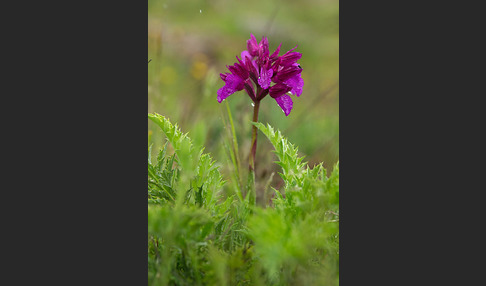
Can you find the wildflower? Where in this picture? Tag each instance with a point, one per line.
(257, 70)
(260, 74)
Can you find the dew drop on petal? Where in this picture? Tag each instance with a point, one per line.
(252, 104)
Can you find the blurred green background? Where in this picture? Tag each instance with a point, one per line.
(190, 42)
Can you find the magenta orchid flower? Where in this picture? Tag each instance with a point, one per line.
(260, 74)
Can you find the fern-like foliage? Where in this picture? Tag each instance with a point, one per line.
(187, 214)
(199, 183)
(198, 237)
(161, 177)
(287, 153)
(303, 228)
(306, 189)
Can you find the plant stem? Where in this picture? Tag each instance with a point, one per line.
(254, 134)
(251, 188)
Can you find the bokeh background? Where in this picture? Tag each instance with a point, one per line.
(190, 42)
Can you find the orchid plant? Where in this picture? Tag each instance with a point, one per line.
(255, 72)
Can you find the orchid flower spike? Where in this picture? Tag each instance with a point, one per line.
(260, 74)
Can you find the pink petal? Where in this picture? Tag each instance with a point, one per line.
(233, 84)
(279, 89)
(275, 54)
(252, 46)
(265, 78)
(223, 93)
(296, 83)
(264, 52)
(285, 102)
(245, 54)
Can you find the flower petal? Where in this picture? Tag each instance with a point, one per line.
(285, 102)
(238, 70)
(233, 83)
(245, 54)
(279, 89)
(248, 86)
(252, 46)
(263, 51)
(296, 83)
(290, 58)
(223, 93)
(275, 54)
(265, 78)
(288, 72)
